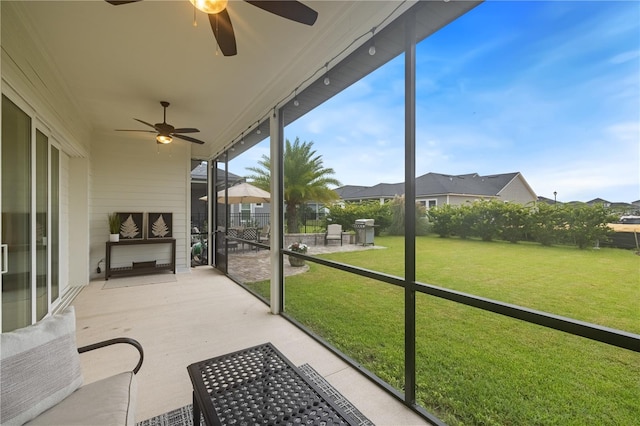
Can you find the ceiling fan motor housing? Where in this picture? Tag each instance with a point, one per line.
(166, 132)
(164, 128)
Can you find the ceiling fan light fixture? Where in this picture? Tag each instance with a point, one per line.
(164, 139)
(210, 6)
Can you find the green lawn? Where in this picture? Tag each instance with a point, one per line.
(479, 368)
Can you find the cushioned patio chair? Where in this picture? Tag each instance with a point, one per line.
(41, 381)
(265, 234)
(334, 233)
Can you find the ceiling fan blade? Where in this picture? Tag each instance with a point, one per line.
(186, 130)
(289, 9)
(188, 138)
(144, 122)
(131, 130)
(223, 31)
(119, 2)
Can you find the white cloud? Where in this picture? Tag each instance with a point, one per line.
(625, 57)
(627, 132)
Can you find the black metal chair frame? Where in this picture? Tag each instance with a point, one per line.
(115, 341)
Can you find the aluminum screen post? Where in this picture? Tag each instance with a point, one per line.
(409, 208)
(276, 237)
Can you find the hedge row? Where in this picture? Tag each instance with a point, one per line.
(581, 225)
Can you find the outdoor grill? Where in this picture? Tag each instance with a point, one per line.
(364, 231)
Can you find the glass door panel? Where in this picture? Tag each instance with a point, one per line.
(41, 227)
(16, 216)
(54, 232)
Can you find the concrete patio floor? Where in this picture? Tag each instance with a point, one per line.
(200, 315)
(251, 265)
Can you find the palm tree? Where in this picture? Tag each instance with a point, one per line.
(305, 179)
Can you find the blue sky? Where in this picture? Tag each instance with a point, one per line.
(547, 88)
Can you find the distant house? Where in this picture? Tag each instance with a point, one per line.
(625, 208)
(596, 201)
(434, 189)
(546, 200)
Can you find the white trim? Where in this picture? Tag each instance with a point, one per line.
(33, 212)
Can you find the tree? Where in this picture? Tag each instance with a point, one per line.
(305, 179)
(398, 212)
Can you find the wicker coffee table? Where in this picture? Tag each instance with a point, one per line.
(258, 386)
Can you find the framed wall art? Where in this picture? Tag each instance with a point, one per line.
(131, 226)
(159, 225)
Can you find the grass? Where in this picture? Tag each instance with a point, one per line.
(479, 368)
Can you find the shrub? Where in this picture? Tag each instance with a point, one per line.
(487, 219)
(463, 221)
(546, 224)
(348, 214)
(514, 222)
(580, 224)
(442, 219)
(588, 224)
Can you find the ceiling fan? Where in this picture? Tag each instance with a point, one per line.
(221, 22)
(166, 132)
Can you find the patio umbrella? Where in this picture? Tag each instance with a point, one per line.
(244, 193)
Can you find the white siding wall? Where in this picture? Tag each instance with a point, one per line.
(131, 173)
(459, 200)
(518, 191)
(78, 229)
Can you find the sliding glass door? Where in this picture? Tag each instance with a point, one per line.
(16, 216)
(30, 167)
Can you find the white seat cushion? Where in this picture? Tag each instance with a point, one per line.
(109, 401)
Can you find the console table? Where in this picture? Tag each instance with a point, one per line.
(258, 386)
(139, 268)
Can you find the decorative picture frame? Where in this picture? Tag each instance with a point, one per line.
(159, 225)
(131, 226)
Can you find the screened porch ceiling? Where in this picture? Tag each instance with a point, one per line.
(119, 62)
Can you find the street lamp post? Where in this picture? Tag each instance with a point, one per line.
(555, 200)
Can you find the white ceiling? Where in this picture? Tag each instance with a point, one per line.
(118, 62)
